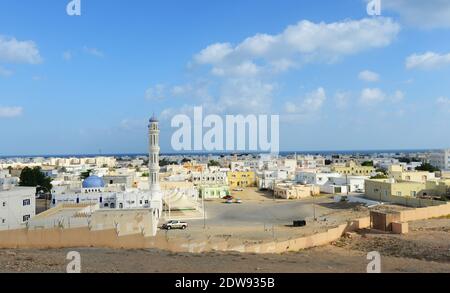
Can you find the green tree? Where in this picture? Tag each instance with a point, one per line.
(367, 164)
(34, 177)
(382, 171)
(213, 163)
(427, 167)
(85, 174)
(379, 176)
(166, 162)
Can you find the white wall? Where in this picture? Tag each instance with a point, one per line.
(15, 204)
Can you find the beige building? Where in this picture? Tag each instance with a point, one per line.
(293, 191)
(399, 174)
(382, 189)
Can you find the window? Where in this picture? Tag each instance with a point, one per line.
(4, 204)
(26, 218)
(26, 202)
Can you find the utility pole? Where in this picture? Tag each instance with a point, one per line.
(314, 209)
(346, 184)
(204, 212)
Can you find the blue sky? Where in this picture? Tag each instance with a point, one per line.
(338, 78)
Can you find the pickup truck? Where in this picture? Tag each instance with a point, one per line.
(175, 225)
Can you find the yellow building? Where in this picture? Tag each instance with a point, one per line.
(351, 168)
(241, 178)
(382, 189)
(440, 187)
(399, 174)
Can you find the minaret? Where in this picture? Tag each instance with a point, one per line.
(153, 165)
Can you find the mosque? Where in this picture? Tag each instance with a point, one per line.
(93, 188)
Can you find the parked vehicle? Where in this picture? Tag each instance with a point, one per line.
(175, 225)
(228, 197)
(238, 200)
(238, 189)
(229, 201)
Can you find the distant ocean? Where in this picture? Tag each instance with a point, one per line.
(283, 153)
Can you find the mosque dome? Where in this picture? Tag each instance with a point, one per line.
(93, 182)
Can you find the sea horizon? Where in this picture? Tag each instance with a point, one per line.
(220, 153)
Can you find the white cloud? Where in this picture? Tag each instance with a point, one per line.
(67, 55)
(428, 61)
(421, 13)
(300, 43)
(243, 73)
(342, 99)
(214, 53)
(369, 76)
(157, 92)
(443, 101)
(313, 102)
(5, 72)
(10, 112)
(93, 51)
(398, 96)
(14, 51)
(373, 96)
(245, 69)
(244, 96)
(180, 90)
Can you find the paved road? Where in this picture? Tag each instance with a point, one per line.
(254, 212)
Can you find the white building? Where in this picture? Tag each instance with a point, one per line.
(313, 177)
(333, 183)
(440, 159)
(210, 177)
(7, 182)
(17, 207)
(267, 179)
(310, 161)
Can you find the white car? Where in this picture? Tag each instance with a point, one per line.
(175, 225)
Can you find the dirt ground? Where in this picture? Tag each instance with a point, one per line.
(425, 249)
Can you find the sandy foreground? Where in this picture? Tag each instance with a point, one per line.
(425, 249)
